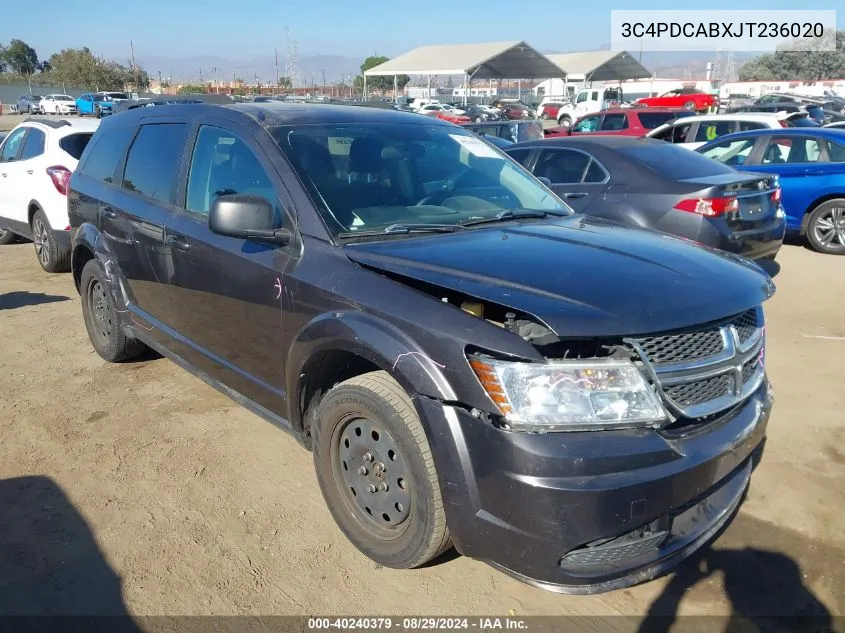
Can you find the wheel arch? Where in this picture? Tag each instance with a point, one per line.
(31, 209)
(338, 346)
(814, 204)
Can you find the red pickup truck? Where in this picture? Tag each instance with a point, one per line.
(687, 98)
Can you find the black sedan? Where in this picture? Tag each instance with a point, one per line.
(647, 183)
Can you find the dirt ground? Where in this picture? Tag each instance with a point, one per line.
(143, 482)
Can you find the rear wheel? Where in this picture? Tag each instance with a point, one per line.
(826, 227)
(565, 120)
(7, 237)
(52, 257)
(689, 105)
(100, 316)
(376, 472)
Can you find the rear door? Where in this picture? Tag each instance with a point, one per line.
(575, 175)
(11, 180)
(226, 292)
(31, 169)
(132, 218)
(799, 161)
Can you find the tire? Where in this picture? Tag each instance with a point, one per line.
(97, 112)
(545, 116)
(100, 316)
(564, 121)
(478, 119)
(360, 425)
(689, 105)
(51, 256)
(826, 227)
(7, 237)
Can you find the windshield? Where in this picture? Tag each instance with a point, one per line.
(372, 176)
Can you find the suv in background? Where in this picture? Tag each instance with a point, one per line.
(372, 282)
(694, 131)
(621, 122)
(36, 161)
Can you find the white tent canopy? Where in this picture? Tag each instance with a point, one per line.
(601, 65)
(497, 60)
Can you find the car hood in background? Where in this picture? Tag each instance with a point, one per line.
(581, 276)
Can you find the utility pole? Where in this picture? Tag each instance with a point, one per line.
(276, 90)
(134, 66)
(200, 76)
(324, 81)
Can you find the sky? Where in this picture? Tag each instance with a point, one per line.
(182, 28)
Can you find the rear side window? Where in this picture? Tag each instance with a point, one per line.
(836, 152)
(612, 122)
(75, 144)
(711, 130)
(673, 162)
(152, 165)
(747, 126)
(519, 155)
(33, 145)
(562, 166)
(106, 152)
(651, 120)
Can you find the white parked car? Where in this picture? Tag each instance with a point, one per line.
(58, 104)
(453, 110)
(694, 131)
(36, 161)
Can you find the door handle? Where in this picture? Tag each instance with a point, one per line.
(574, 195)
(29, 171)
(108, 212)
(179, 243)
(3, 174)
(813, 172)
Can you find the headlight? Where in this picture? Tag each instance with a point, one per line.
(569, 395)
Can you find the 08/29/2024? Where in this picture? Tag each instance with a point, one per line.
(414, 623)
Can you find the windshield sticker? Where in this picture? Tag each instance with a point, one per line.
(475, 146)
(339, 145)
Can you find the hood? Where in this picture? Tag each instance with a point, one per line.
(580, 276)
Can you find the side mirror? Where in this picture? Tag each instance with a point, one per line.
(246, 217)
(545, 181)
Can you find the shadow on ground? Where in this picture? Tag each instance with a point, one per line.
(50, 563)
(12, 300)
(764, 583)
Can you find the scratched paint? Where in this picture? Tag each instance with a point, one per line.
(418, 356)
(278, 288)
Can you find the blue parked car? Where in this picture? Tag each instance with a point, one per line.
(810, 163)
(99, 104)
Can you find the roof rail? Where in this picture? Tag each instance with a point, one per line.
(53, 123)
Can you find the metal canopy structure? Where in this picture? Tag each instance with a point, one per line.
(601, 65)
(497, 60)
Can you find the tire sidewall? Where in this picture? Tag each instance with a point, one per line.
(347, 402)
(93, 271)
(51, 245)
(811, 233)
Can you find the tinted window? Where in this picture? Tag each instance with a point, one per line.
(730, 152)
(614, 122)
(675, 163)
(33, 145)
(562, 166)
(587, 124)
(651, 120)
(802, 121)
(792, 150)
(836, 152)
(595, 173)
(222, 164)
(75, 144)
(106, 153)
(745, 126)
(520, 155)
(152, 165)
(12, 144)
(711, 130)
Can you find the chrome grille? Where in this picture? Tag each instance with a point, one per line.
(709, 369)
(699, 391)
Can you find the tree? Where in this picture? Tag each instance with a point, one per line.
(449, 83)
(2, 58)
(795, 65)
(21, 57)
(381, 84)
(80, 67)
(285, 82)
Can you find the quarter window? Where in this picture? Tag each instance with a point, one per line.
(223, 164)
(152, 166)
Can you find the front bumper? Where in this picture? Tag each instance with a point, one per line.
(588, 512)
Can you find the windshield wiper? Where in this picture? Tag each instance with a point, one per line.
(512, 214)
(403, 229)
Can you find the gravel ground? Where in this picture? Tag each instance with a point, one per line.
(167, 498)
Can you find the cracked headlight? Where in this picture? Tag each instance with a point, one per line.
(569, 395)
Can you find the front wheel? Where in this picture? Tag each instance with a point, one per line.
(826, 227)
(377, 474)
(564, 121)
(97, 112)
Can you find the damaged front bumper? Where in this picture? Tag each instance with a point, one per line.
(588, 512)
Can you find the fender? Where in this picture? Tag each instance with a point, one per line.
(373, 339)
(89, 238)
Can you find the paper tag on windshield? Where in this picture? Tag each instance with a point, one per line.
(475, 146)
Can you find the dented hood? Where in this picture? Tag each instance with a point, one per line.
(581, 276)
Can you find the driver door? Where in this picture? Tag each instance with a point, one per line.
(227, 292)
